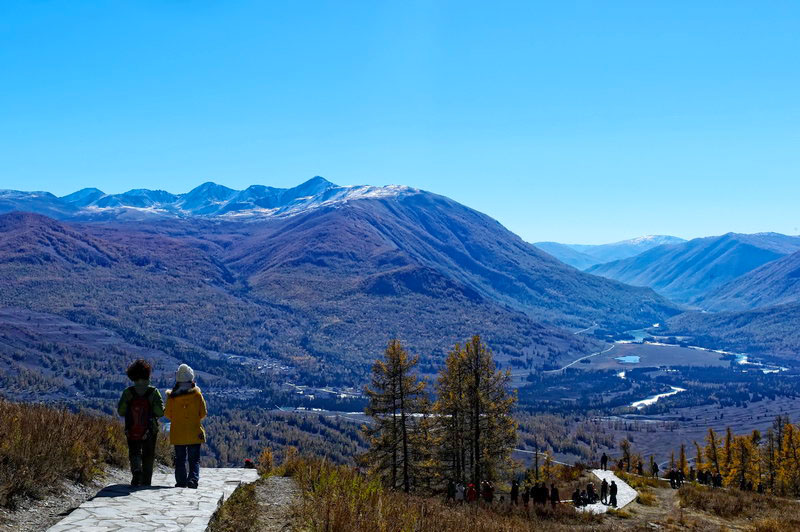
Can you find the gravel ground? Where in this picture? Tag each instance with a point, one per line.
(276, 498)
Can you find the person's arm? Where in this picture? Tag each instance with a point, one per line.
(203, 408)
(122, 406)
(168, 409)
(157, 403)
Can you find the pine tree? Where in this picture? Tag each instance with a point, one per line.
(625, 447)
(712, 450)
(396, 398)
(474, 412)
(727, 453)
(683, 464)
(698, 460)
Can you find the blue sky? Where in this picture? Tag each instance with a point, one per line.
(571, 121)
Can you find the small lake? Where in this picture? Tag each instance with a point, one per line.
(628, 359)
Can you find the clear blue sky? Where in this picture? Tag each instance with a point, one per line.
(570, 121)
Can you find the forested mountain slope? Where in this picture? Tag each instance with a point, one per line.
(685, 272)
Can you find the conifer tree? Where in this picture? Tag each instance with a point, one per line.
(712, 450)
(683, 464)
(698, 460)
(474, 412)
(727, 453)
(396, 400)
(625, 447)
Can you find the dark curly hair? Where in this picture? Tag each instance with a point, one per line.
(139, 370)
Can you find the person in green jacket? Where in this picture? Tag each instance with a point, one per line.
(141, 405)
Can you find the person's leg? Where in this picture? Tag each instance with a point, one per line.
(194, 465)
(180, 466)
(135, 457)
(148, 457)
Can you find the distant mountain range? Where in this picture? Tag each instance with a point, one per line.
(209, 200)
(686, 272)
(583, 256)
(320, 278)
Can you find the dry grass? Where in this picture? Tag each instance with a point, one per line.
(646, 497)
(340, 498)
(767, 512)
(239, 513)
(41, 446)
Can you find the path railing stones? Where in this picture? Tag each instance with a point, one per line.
(161, 507)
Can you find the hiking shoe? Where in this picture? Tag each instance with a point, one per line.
(179, 485)
(192, 485)
(136, 480)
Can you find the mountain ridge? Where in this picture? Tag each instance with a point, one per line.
(685, 272)
(208, 199)
(584, 256)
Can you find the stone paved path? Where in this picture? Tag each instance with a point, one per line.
(625, 493)
(121, 508)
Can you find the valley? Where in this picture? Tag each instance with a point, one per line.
(282, 298)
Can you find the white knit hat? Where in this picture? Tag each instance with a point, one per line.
(184, 374)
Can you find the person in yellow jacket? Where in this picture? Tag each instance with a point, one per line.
(185, 409)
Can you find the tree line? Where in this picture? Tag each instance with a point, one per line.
(764, 462)
(466, 434)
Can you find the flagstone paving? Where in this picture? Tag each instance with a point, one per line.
(122, 508)
(625, 493)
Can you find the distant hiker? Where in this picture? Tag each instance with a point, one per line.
(185, 409)
(604, 461)
(460, 493)
(673, 479)
(526, 495)
(141, 405)
(488, 492)
(760, 488)
(543, 494)
(718, 480)
(451, 491)
(749, 485)
(681, 477)
(514, 492)
(554, 498)
(640, 469)
(654, 470)
(613, 492)
(472, 493)
(692, 474)
(591, 494)
(576, 498)
(604, 492)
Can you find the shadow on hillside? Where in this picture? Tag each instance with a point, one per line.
(122, 490)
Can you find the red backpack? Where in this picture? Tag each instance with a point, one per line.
(138, 416)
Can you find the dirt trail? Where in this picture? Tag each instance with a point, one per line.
(277, 497)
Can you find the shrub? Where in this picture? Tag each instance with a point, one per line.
(265, 462)
(41, 445)
(646, 498)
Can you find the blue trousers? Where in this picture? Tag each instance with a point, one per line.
(192, 453)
